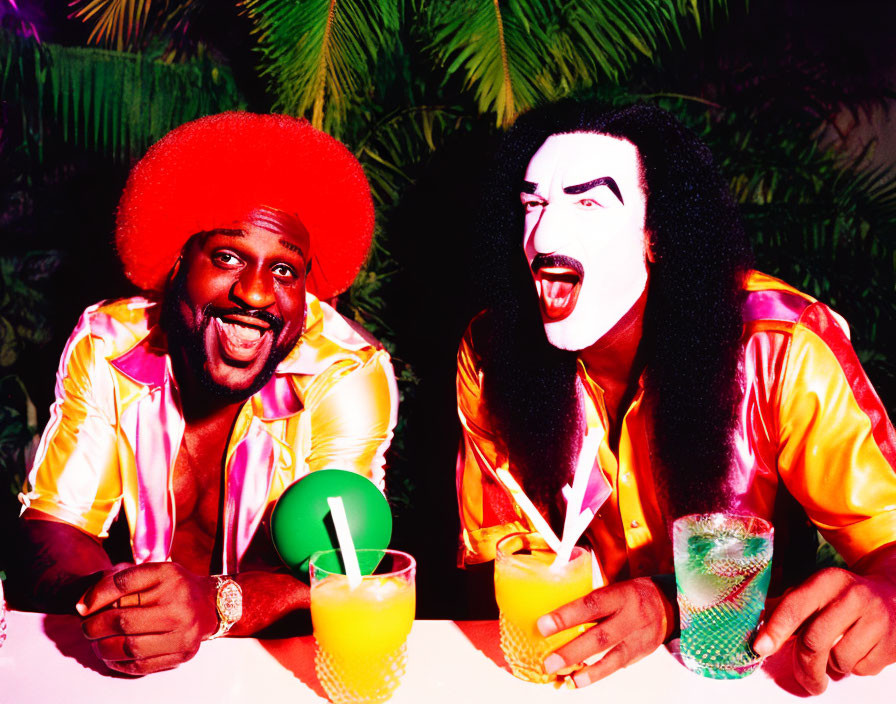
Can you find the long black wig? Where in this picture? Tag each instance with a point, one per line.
(692, 326)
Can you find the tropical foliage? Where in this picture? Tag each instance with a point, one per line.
(516, 55)
(821, 220)
(320, 57)
(112, 102)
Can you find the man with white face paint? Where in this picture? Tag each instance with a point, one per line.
(633, 348)
(584, 234)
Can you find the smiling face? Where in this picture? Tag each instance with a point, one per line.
(584, 234)
(240, 307)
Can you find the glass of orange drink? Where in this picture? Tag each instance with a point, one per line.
(526, 588)
(361, 630)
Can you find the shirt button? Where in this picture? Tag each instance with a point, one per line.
(635, 524)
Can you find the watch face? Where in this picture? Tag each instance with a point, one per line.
(230, 601)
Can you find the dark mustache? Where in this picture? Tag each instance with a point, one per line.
(275, 322)
(539, 261)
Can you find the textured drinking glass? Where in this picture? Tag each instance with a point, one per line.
(526, 588)
(361, 631)
(722, 568)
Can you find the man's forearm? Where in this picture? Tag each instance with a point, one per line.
(55, 565)
(881, 563)
(272, 600)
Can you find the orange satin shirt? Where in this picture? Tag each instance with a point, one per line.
(116, 426)
(809, 418)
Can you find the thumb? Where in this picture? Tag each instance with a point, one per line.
(88, 601)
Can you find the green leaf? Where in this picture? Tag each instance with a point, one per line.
(515, 54)
(319, 54)
(99, 99)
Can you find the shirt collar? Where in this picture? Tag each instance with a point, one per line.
(327, 338)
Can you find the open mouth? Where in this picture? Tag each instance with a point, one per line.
(241, 338)
(558, 290)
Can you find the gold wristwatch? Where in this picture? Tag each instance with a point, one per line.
(228, 602)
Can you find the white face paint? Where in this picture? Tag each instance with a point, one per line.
(585, 212)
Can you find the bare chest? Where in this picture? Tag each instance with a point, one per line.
(197, 488)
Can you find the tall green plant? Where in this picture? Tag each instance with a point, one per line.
(113, 102)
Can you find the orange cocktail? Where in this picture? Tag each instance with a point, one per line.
(526, 588)
(361, 631)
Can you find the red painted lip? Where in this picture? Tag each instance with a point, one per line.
(558, 291)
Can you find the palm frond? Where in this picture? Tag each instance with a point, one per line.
(118, 23)
(516, 53)
(112, 102)
(500, 48)
(319, 54)
(138, 25)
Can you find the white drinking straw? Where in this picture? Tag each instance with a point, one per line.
(573, 525)
(346, 544)
(537, 520)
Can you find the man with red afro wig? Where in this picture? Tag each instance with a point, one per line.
(195, 405)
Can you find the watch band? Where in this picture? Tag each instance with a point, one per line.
(228, 602)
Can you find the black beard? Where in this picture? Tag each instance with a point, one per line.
(186, 344)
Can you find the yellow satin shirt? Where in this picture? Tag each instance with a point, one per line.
(116, 426)
(809, 418)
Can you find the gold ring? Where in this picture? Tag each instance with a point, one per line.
(127, 601)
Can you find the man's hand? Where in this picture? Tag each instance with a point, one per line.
(632, 619)
(148, 617)
(845, 623)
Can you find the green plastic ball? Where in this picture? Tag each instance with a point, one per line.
(301, 524)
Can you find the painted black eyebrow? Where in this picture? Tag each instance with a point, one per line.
(602, 181)
(528, 187)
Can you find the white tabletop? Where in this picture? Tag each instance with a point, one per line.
(46, 659)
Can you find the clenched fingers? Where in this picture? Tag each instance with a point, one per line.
(139, 647)
(122, 583)
(128, 621)
(149, 665)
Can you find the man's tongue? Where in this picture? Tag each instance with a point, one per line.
(239, 342)
(558, 295)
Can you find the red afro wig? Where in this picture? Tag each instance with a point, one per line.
(214, 171)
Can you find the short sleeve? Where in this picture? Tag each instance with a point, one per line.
(75, 476)
(353, 413)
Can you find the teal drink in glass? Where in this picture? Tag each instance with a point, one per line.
(722, 569)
